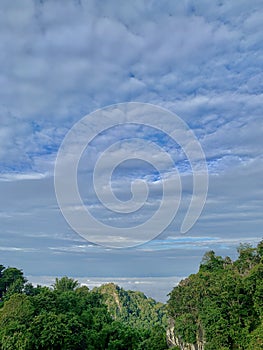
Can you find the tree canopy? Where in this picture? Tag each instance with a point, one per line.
(221, 306)
(71, 317)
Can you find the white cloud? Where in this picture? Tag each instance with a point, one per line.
(202, 60)
(21, 176)
(62, 66)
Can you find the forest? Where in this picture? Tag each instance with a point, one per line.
(221, 306)
(218, 308)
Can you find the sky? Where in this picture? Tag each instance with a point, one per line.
(199, 62)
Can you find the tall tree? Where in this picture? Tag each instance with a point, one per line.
(65, 284)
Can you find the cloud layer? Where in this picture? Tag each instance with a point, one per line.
(60, 62)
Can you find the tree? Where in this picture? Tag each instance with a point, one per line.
(65, 284)
(211, 262)
(15, 318)
(49, 331)
(72, 317)
(222, 302)
(12, 281)
(247, 257)
(29, 289)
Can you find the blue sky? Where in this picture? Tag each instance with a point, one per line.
(202, 60)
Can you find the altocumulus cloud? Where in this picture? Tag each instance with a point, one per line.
(201, 60)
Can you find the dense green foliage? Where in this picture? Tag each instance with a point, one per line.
(218, 308)
(133, 307)
(11, 281)
(135, 310)
(73, 317)
(222, 305)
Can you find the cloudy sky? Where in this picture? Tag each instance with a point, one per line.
(60, 61)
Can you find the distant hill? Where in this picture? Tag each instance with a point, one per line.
(133, 307)
(72, 317)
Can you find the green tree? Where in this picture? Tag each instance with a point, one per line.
(68, 317)
(15, 318)
(65, 284)
(212, 262)
(49, 331)
(222, 304)
(12, 281)
(248, 257)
